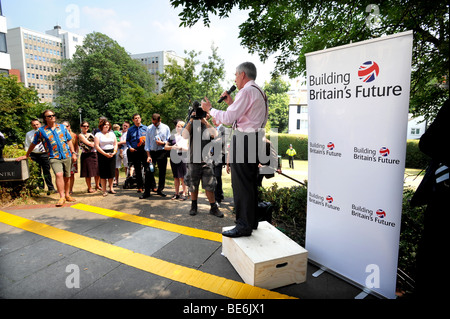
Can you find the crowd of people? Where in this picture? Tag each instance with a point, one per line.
(196, 151)
(104, 149)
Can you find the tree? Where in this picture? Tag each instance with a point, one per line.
(183, 84)
(276, 91)
(290, 29)
(210, 76)
(103, 80)
(18, 106)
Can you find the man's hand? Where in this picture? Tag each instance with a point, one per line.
(206, 105)
(21, 158)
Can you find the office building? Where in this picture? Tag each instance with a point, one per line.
(155, 63)
(37, 56)
(5, 61)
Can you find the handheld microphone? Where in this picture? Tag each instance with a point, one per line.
(229, 92)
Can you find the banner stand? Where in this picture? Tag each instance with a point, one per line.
(364, 290)
(358, 101)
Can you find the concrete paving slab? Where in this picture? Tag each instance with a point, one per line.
(29, 259)
(125, 282)
(188, 251)
(50, 282)
(147, 240)
(113, 230)
(12, 238)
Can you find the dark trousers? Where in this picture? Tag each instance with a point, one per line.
(139, 160)
(244, 179)
(44, 165)
(291, 162)
(218, 192)
(160, 159)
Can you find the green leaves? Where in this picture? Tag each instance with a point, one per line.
(290, 29)
(18, 105)
(102, 80)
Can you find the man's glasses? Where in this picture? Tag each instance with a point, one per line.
(50, 116)
(85, 126)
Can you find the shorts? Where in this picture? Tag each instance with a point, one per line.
(203, 172)
(61, 166)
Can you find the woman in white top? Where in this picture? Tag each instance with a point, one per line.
(106, 146)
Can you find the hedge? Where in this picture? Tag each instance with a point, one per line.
(414, 157)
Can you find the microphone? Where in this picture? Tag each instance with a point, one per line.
(232, 89)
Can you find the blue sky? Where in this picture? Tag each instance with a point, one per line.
(139, 26)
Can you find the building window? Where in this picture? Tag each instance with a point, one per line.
(304, 124)
(3, 42)
(415, 131)
(298, 124)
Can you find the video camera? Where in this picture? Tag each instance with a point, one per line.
(199, 113)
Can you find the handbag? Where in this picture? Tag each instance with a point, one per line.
(86, 148)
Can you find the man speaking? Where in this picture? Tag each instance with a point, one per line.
(247, 113)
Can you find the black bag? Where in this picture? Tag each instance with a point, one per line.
(264, 212)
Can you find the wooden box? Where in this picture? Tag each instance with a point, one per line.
(266, 259)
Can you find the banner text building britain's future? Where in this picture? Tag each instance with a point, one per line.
(358, 100)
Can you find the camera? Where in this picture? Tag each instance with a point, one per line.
(199, 113)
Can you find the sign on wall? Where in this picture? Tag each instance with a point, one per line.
(358, 98)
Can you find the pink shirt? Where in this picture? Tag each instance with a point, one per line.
(248, 110)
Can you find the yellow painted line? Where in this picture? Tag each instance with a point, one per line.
(192, 277)
(193, 232)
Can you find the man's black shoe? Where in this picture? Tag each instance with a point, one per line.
(235, 232)
(143, 196)
(161, 194)
(193, 211)
(215, 211)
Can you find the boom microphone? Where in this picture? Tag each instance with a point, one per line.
(229, 92)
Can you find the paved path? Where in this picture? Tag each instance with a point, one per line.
(126, 248)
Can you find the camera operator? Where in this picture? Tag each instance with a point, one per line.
(248, 114)
(200, 132)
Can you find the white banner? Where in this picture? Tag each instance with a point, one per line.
(358, 100)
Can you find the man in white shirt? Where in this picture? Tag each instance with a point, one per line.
(40, 156)
(248, 114)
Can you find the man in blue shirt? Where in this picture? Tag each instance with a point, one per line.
(136, 153)
(156, 138)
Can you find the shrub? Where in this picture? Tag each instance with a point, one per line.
(289, 210)
(299, 143)
(414, 157)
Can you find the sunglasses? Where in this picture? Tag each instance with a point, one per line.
(85, 126)
(50, 116)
